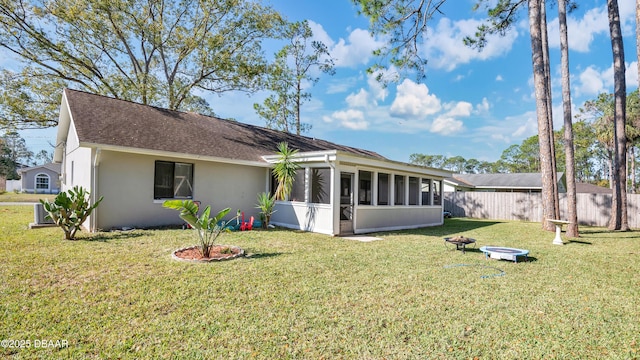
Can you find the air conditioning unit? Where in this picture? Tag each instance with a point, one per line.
(40, 215)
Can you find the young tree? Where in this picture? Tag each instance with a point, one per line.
(285, 171)
(153, 52)
(293, 67)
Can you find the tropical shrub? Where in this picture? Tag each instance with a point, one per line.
(208, 228)
(266, 206)
(285, 170)
(70, 209)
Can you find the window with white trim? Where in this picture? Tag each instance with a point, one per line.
(320, 185)
(42, 182)
(173, 180)
(364, 192)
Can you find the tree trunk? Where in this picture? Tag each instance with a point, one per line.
(547, 75)
(572, 211)
(537, 57)
(619, 200)
(632, 173)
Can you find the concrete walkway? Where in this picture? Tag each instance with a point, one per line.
(362, 238)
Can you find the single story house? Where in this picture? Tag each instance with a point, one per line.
(517, 182)
(42, 179)
(137, 156)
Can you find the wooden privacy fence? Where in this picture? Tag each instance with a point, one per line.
(593, 209)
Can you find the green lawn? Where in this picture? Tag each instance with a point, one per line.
(310, 296)
(24, 197)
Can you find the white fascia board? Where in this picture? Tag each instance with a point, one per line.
(64, 122)
(508, 187)
(311, 156)
(363, 161)
(192, 157)
(393, 166)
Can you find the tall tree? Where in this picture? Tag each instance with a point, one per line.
(14, 154)
(619, 200)
(293, 67)
(154, 52)
(572, 210)
(547, 76)
(542, 103)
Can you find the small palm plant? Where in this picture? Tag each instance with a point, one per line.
(285, 170)
(208, 228)
(70, 209)
(266, 206)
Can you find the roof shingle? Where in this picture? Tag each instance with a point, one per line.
(102, 120)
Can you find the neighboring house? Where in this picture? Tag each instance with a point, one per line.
(518, 182)
(42, 179)
(586, 188)
(137, 156)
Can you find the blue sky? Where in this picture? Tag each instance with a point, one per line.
(472, 104)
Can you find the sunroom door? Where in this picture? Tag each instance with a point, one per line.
(346, 203)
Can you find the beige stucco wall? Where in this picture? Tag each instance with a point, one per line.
(126, 182)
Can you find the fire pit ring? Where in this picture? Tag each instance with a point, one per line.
(460, 242)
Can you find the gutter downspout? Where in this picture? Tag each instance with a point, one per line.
(94, 190)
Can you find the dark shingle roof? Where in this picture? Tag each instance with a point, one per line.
(55, 167)
(102, 120)
(586, 188)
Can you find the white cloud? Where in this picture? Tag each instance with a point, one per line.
(581, 32)
(483, 107)
(594, 22)
(593, 81)
(319, 34)
(350, 119)
(461, 108)
(413, 100)
(499, 78)
(378, 90)
(590, 82)
(445, 49)
(359, 99)
(446, 125)
(356, 50)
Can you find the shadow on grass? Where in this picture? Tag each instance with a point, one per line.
(450, 227)
(105, 237)
(262, 255)
(580, 242)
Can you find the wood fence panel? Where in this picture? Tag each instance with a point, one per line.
(593, 209)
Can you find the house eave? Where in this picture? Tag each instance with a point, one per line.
(350, 159)
(170, 154)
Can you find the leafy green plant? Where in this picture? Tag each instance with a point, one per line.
(208, 228)
(70, 209)
(285, 170)
(266, 206)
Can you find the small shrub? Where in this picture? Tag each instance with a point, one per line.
(266, 206)
(208, 228)
(70, 209)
